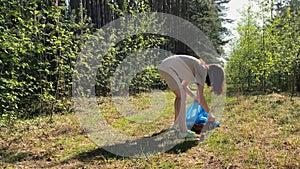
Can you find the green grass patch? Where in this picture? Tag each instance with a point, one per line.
(256, 132)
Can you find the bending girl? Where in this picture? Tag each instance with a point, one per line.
(179, 71)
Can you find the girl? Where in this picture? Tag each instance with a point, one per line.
(179, 71)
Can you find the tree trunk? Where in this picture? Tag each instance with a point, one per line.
(298, 82)
(297, 73)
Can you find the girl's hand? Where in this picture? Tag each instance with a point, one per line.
(211, 117)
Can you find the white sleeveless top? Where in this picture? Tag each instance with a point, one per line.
(185, 67)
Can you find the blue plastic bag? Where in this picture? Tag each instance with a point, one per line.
(195, 114)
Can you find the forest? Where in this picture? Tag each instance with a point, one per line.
(40, 41)
(51, 49)
(266, 56)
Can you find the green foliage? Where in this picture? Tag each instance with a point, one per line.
(147, 80)
(131, 52)
(40, 42)
(266, 56)
(209, 17)
(38, 49)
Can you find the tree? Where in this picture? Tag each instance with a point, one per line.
(208, 15)
(243, 66)
(38, 49)
(275, 63)
(116, 9)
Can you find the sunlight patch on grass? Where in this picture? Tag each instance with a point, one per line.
(145, 122)
(259, 132)
(256, 132)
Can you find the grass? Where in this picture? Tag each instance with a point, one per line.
(256, 132)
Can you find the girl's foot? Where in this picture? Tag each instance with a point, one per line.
(188, 134)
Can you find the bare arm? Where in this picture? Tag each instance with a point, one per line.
(203, 103)
(201, 98)
(187, 89)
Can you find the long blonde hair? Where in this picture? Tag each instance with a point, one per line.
(217, 78)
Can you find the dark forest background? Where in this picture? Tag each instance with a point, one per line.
(40, 41)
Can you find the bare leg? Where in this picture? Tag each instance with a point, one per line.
(179, 103)
(180, 109)
(177, 107)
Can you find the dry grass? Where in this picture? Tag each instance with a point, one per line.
(255, 132)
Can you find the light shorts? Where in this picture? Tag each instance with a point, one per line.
(172, 81)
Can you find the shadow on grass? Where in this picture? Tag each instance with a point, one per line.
(138, 148)
(98, 154)
(12, 157)
(183, 147)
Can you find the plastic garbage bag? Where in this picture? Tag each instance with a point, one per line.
(195, 114)
(197, 118)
